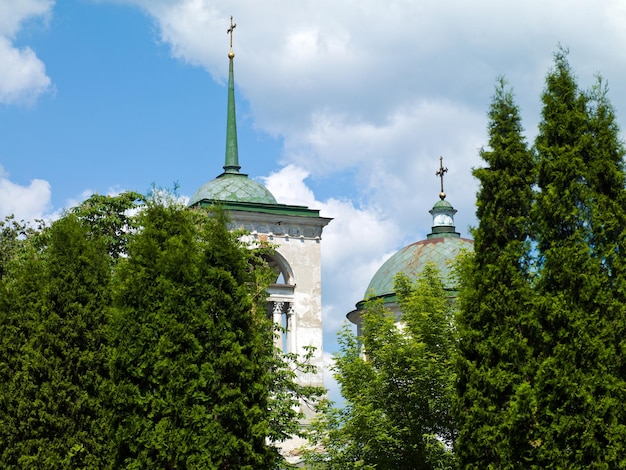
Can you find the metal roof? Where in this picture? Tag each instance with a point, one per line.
(411, 259)
(233, 187)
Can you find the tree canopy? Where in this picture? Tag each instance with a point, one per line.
(134, 334)
(579, 217)
(542, 311)
(53, 369)
(398, 384)
(495, 322)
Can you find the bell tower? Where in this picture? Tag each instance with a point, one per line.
(294, 299)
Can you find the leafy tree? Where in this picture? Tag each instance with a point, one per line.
(13, 241)
(399, 393)
(495, 322)
(111, 218)
(53, 352)
(191, 347)
(288, 395)
(579, 389)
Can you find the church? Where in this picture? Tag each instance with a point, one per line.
(295, 297)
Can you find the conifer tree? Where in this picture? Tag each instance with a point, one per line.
(191, 347)
(607, 179)
(53, 352)
(579, 387)
(494, 321)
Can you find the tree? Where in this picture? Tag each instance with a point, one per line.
(191, 347)
(110, 218)
(579, 384)
(53, 352)
(398, 411)
(170, 303)
(288, 394)
(495, 324)
(606, 176)
(13, 241)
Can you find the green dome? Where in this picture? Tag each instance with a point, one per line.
(233, 187)
(443, 204)
(411, 259)
(441, 248)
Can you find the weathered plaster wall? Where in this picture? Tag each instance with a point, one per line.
(297, 240)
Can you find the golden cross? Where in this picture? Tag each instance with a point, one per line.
(230, 31)
(442, 171)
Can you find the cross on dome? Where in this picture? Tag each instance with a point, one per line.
(442, 171)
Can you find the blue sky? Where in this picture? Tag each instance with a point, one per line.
(120, 112)
(342, 106)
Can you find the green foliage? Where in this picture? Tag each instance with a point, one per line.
(53, 353)
(138, 337)
(14, 238)
(190, 352)
(288, 395)
(579, 214)
(495, 324)
(541, 326)
(110, 218)
(399, 392)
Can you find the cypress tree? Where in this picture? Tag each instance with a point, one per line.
(579, 215)
(191, 348)
(494, 322)
(607, 179)
(53, 353)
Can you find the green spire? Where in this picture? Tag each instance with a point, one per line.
(232, 156)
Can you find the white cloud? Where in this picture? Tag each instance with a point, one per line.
(308, 56)
(391, 157)
(288, 186)
(22, 74)
(14, 13)
(25, 202)
(34, 200)
(383, 89)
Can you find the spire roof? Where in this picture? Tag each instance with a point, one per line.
(231, 185)
(231, 164)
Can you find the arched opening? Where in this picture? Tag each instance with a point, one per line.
(280, 302)
(282, 269)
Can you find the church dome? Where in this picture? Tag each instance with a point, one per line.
(441, 248)
(234, 187)
(412, 259)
